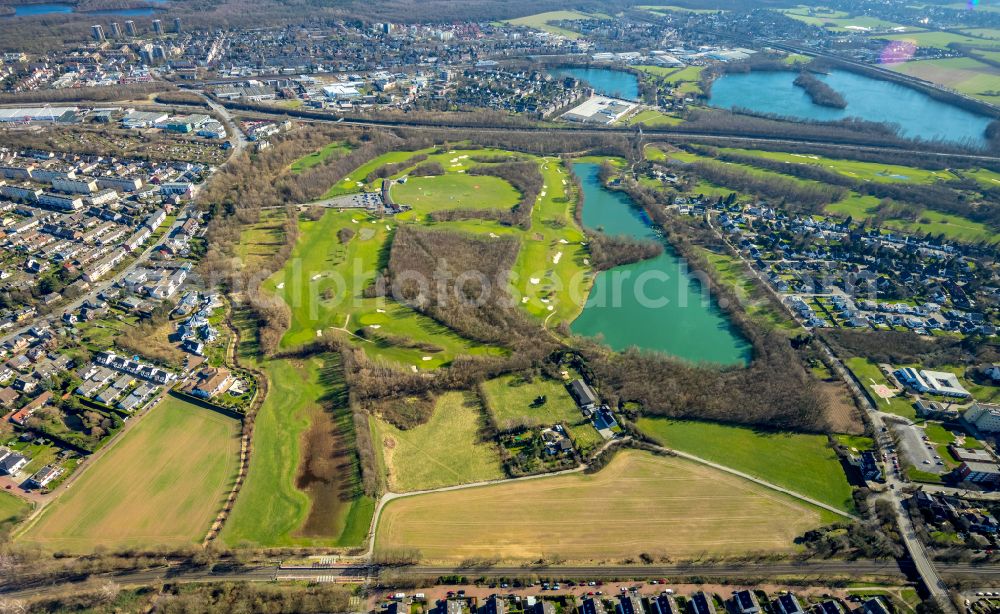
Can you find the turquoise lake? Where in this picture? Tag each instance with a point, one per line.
(655, 304)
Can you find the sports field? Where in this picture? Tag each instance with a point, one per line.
(444, 451)
(162, 484)
(802, 463)
(638, 503)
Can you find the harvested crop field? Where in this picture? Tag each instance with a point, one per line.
(638, 503)
(161, 484)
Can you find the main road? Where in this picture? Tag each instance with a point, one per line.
(358, 574)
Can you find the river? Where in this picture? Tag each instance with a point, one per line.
(654, 304)
(607, 82)
(55, 8)
(917, 114)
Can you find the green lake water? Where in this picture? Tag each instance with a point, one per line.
(656, 304)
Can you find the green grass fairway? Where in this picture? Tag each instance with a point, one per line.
(455, 191)
(12, 510)
(543, 21)
(444, 451)
(334, 149)
(355, 182)
(162, 483)
(954, 227)
(802, 463)
(638, 503)
(509, 398)
(863, 171)
(964, 75)
(323, 284)
(271, 510)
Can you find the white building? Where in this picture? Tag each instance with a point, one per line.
(984, 416)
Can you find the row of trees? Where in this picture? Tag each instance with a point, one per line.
(819, 92)
(796, 195)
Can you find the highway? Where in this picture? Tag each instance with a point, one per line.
(314, 117)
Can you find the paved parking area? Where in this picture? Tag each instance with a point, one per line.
(915, 451)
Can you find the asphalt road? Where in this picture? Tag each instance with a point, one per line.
(823, 570)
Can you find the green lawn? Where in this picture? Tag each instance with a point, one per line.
(802, 463)
(355, 182)
(837, 21)
(335, 148)
(510, 399)
(869, 374)
(732, 273)
(444, 451)
(455, 191)
(12, 510)
(653, 118)
(550, 276)
(323, 284)
(271, 510)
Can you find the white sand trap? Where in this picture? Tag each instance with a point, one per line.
(463, 157)
(454, 160)
(494, 235)
(374, 221)
(544, 300)
(280, 286)
(319, 332)
(557, 258)
(461, 171)
(414, 367)
(543, 193)
(564, 241)
(354, 221)
(524, 299)
(359, 184)
(388, 227)
(550, 307)
(380, 310)
(375, 326)
(564, 182)
(534, 281)
(586, 261)
(426, 358)
(316, 276)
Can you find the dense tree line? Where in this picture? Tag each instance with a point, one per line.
(428, 169)
(388, 170)
(609, 251)
(797, 196)
(459, 280)
(819, 92)
(133, 91)
(899, 347)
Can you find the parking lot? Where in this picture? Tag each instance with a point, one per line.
(915, 450)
